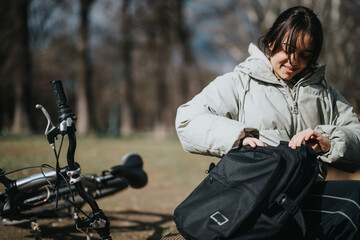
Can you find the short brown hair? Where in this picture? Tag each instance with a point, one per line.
(294, 22)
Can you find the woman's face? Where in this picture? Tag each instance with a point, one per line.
(299, 55)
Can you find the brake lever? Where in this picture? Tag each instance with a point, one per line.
(51, 131)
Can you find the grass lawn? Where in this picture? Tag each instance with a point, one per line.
(97, 154)
(135, 214)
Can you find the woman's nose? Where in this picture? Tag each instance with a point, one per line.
(294, 58)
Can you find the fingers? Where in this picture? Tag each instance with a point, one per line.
(253, 142)
(301, 137)
(315, 146)
(313, 139)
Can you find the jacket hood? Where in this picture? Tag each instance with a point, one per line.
(258, 66)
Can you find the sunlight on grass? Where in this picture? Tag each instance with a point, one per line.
(97, 154)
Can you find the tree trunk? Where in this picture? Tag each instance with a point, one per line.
(85, 111)
(163, 43)
(188, 83)
(18, 64)
(128, 114)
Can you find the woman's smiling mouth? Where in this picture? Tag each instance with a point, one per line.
(289, 69)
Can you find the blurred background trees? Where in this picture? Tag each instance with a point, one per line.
(127, 65)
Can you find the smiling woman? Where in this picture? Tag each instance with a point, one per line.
(279, 93)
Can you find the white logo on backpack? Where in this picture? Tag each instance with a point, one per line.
(219, 218)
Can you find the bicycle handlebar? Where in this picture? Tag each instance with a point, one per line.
(64, 110)
(67, 126)
(59, 92)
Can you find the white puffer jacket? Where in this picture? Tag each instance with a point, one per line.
(252, 99)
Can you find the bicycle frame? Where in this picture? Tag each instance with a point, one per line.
(34, 192)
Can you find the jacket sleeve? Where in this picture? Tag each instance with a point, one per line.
(208, 124)
(344, 133)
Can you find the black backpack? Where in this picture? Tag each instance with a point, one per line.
(250, 194)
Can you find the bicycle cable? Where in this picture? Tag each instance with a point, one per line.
(73, 202)
(57, 183)
(22, 169)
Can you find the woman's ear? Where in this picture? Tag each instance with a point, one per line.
(271, 47)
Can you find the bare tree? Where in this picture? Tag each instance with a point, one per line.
(188, 80)
(341, 52)
(129, 113)
(16, 62)
(86, 116)
(159, 41)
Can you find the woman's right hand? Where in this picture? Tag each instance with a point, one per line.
(253, 142)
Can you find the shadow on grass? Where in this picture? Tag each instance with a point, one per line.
(152, 221)
(122, 222)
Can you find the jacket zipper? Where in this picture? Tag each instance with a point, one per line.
(295, 98)
(293, 105)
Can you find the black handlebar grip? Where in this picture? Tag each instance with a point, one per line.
(64, 110)
(59, 92)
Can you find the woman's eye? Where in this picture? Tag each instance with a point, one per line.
(287, 49)
(305, 56)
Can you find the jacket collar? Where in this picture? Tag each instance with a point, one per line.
(258, 67)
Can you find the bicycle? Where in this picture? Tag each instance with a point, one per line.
(63, 191)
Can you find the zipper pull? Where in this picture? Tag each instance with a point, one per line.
(211, 166)
(295, 108)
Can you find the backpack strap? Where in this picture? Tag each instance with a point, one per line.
(292, 208)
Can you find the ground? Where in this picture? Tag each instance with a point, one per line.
(145, 213)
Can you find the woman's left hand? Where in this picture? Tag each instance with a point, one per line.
(313, 139)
